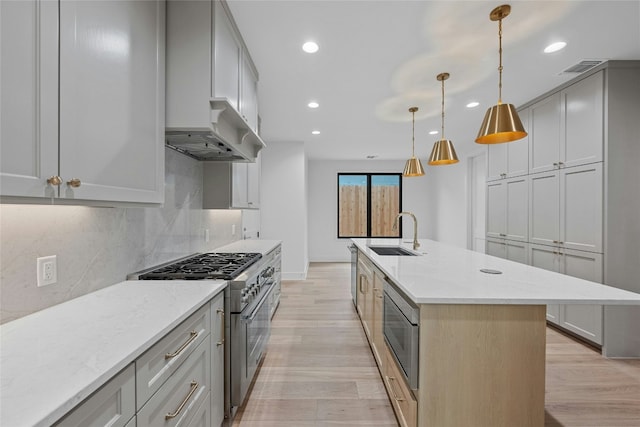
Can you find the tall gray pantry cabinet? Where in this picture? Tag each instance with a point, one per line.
(574, 209)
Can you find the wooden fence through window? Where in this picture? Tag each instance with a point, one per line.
(385, 205)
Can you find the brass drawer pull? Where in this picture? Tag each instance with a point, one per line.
(193, 336)
(170, 415)
(54, 180)
(395, 395)
(75, 183)
(221, 312)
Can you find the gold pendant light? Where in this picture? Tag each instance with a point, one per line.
(413, 166)
(501, 122)
(443, 152)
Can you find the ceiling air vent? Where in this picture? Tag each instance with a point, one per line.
(582, 66)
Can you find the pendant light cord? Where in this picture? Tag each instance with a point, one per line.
(413, 133)
(442, 133)
(500, 66)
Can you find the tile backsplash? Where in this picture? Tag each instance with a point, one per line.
(97, 247)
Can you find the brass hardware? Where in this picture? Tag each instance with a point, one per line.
(443, 152)
(413, 166)
(221, 312)
(194, 387)
(501, 122)
(555, 241)
(75, 183)
(561, 163)
(555, 164)
(395, 395)
(54, 180)
(192, 336)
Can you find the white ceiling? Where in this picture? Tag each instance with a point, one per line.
(378, 58)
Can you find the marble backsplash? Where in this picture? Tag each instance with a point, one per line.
(97, 247)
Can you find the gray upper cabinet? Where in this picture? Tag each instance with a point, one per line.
(227, 58)
(100, 88)
(544, 134)
(512, 159)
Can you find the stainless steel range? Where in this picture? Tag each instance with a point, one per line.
(247, 299)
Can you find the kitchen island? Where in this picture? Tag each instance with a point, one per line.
(481, 336)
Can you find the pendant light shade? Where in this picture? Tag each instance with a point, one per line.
(501, 122)
(413, 166)
(443, 152)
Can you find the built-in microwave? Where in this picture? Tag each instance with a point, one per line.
(402, 333)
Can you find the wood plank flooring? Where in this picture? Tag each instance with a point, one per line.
(319, 371)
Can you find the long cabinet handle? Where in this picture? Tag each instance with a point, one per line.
(194, 387)
(193, 336)
(395, 395)
(221, 312)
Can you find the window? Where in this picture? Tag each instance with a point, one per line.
(368, 204)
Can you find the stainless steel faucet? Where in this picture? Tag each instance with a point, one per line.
(416, 245)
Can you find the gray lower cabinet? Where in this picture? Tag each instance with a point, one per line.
(112, 405)
(177, 401)
(178, 381)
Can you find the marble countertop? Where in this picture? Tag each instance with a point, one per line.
(53, 359)
(250, 245)
(445, 274)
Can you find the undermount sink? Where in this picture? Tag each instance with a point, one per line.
(392, 250)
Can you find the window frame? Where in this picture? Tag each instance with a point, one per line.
(368, 175)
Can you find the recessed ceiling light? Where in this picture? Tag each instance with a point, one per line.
(310, 47)
(554, 47)
(313, 104)
(315, 132)
(473, 104)
(433, 132)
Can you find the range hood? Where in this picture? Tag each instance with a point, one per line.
(229, 138)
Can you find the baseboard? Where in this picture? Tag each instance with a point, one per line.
(296, 275)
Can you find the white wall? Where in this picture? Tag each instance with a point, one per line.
(417, 197)
(283, 204)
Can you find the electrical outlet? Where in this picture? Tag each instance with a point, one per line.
(47, 270)
(233, 229)
(206, 235)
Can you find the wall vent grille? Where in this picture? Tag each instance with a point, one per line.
(583, 66)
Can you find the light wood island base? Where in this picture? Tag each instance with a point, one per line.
(482, 365)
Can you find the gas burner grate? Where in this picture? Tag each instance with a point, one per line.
(214, 265)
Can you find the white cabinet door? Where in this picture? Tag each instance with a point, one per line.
(583, 121)
(113, 405)
(239, 185)
(581, 207)
(217, 359)
(496, 211)
(496, 161)
(584, 320)
(547, 258)
(112, 100)
(517, 207)
(518, 151)
(29, 97)
(496, 247)
(517, 251)
(249, 93)
(544, 134)
(253, 183)
(227, 54)
(544, 210)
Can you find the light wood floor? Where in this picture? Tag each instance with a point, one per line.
(319, 371)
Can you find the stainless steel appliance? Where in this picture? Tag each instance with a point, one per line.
(354, 267)
(402, 332)
(247, 299)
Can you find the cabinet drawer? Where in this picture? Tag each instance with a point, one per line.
(160, 361)
(112, 405)
(404, 405)
(202, 417)
(178, 400)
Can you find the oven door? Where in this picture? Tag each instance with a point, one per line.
(250, 333)
(402, 336)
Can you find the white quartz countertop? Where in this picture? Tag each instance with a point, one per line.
(53, 359)
(250, 245)
(445, 274)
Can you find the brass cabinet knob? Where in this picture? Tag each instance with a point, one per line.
(75, 183)
(54, 180)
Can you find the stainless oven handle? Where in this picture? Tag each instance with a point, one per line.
(258, 306)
